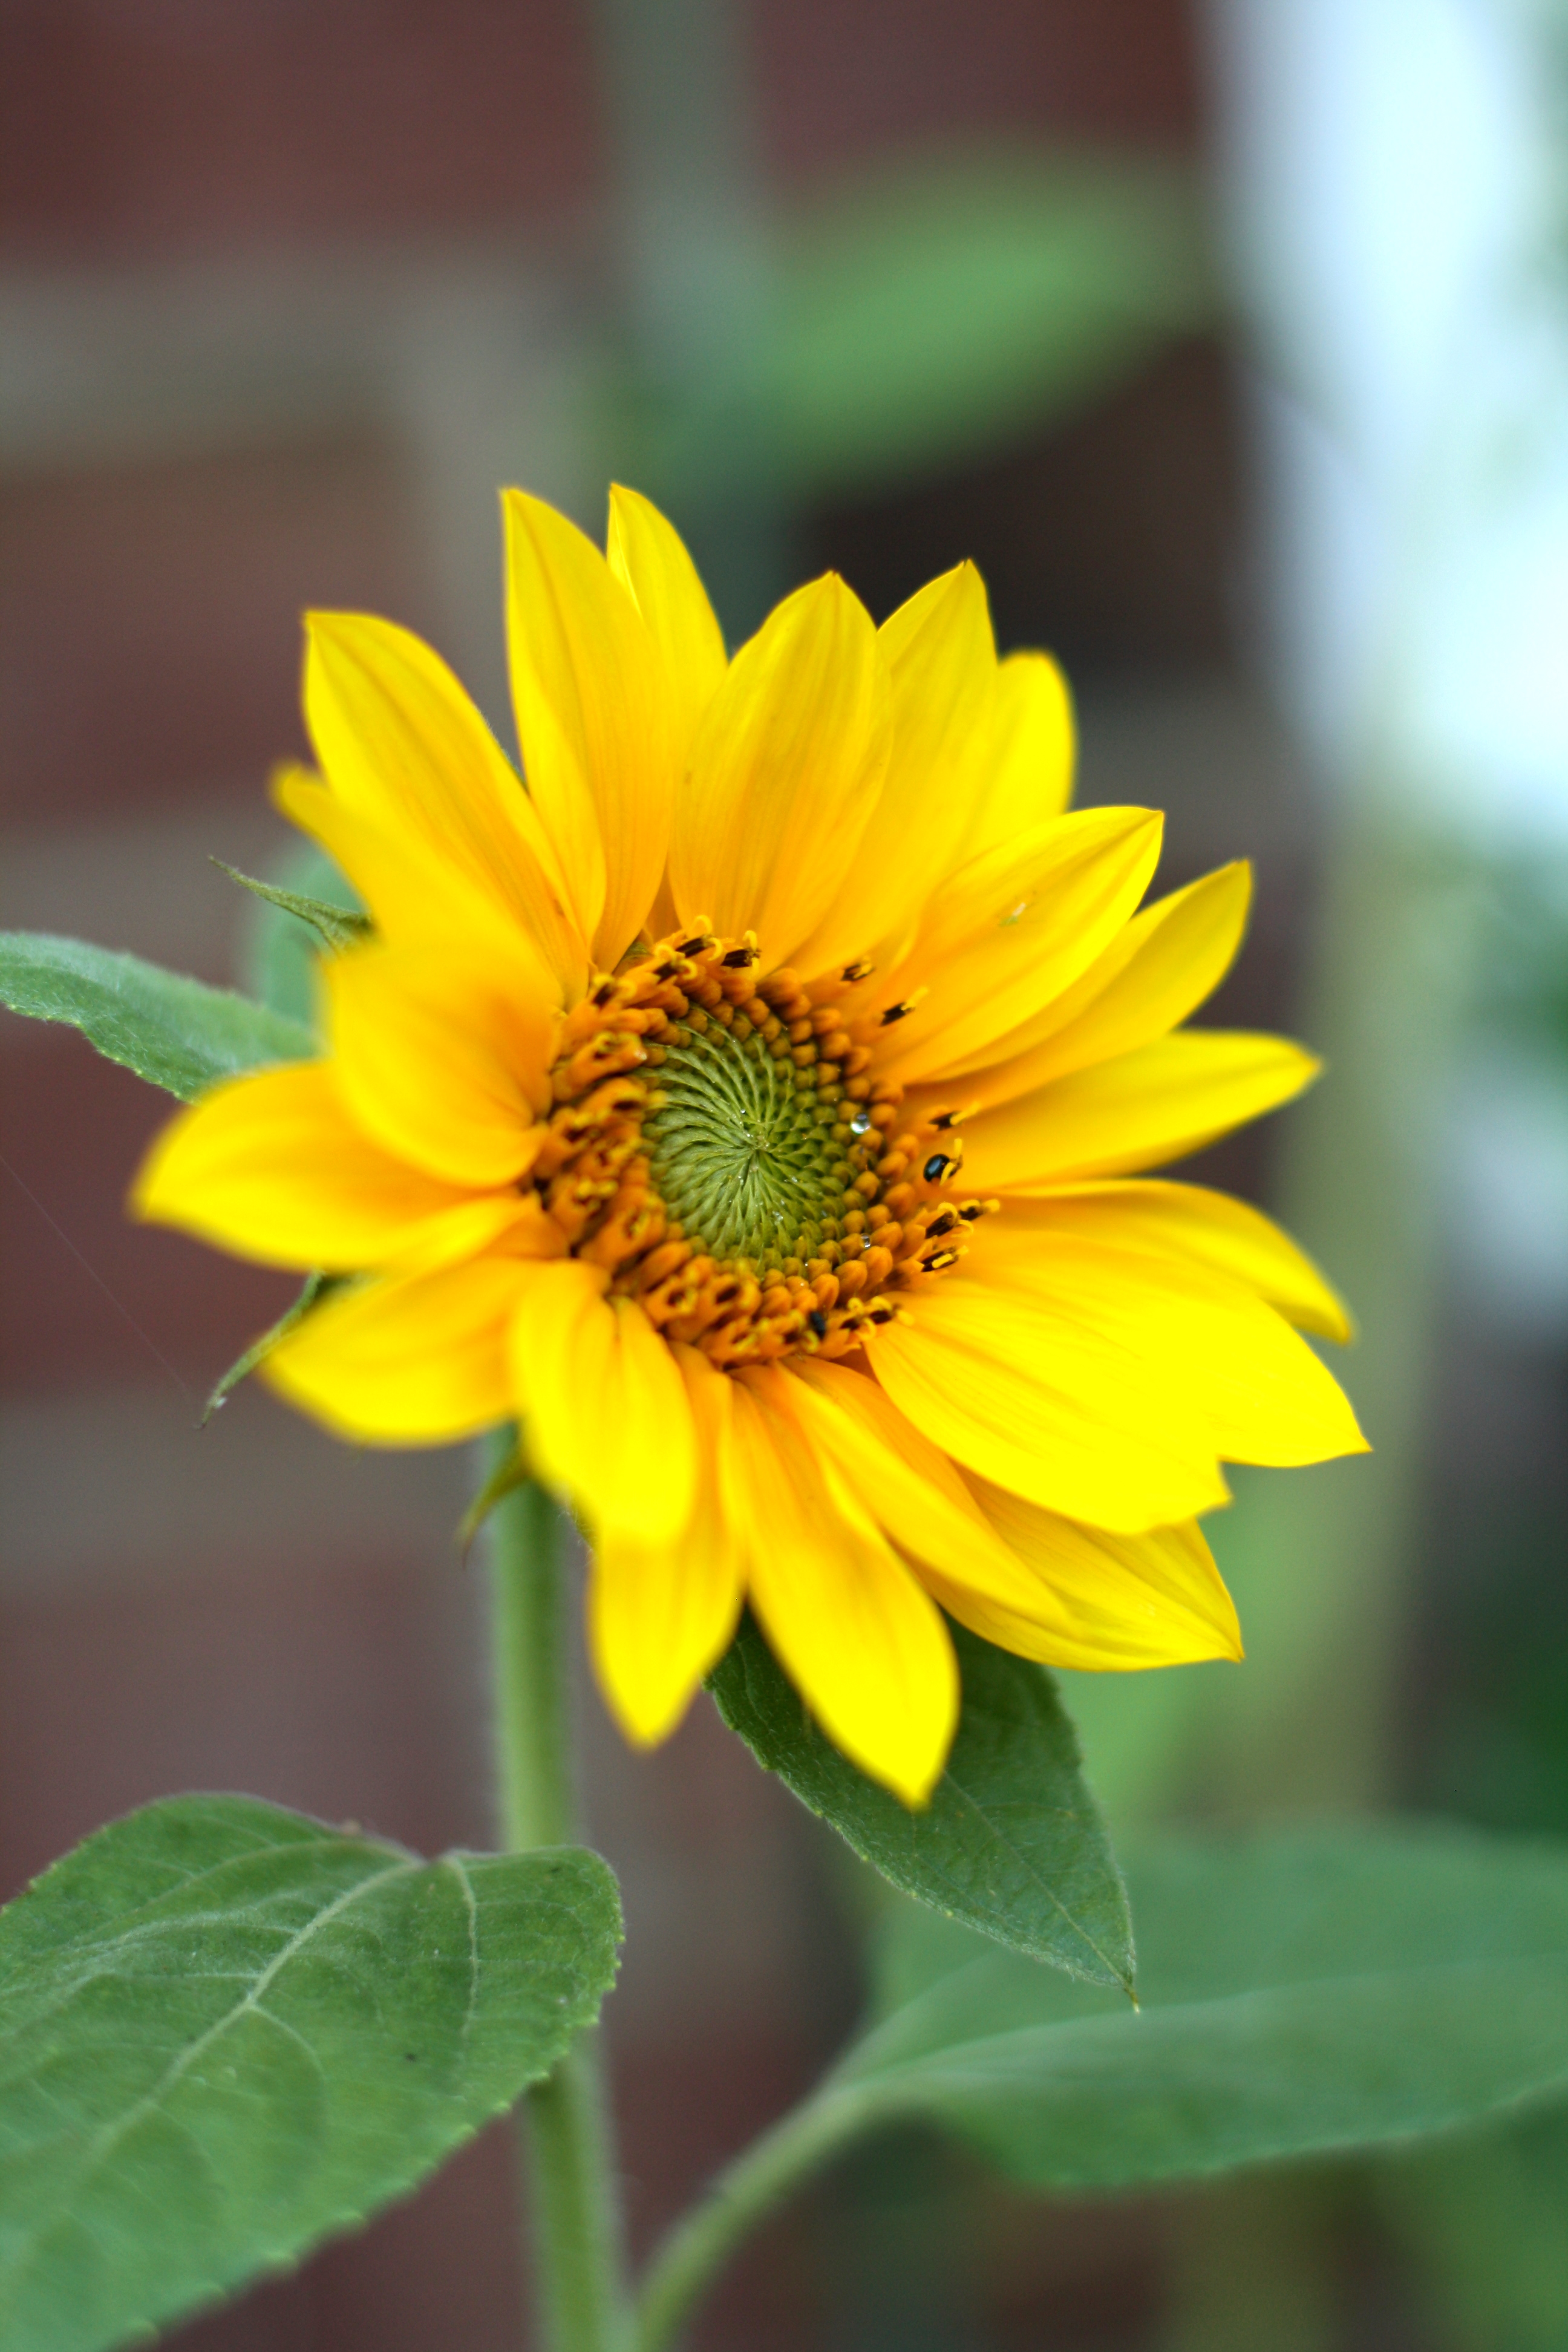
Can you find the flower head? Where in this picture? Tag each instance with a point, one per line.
(754, 1106)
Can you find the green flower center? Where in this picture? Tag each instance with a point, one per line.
(748, 1151)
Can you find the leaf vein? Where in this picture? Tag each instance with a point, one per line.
(109, 2137)
(989, 1824)
(452, 1861)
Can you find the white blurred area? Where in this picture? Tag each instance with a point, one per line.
(1395, 182)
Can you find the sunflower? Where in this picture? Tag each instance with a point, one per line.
(754, 1107)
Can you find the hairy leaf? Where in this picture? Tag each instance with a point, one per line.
(175, 1032)
(1012, 1841)
(227, 2030)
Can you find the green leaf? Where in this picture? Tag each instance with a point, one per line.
(227, 2030)
(336, 927)
(1012, 1841)
(937, 309)
(175, 1032)
(1481, 2219)
(1302, 1993)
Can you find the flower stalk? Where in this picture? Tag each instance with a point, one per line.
(576, 2229)
(702, 2241)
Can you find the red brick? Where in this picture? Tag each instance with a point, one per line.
(838, 80)
(75, 1128)
(162, 126)
(149, 618)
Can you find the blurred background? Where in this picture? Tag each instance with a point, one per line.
(1232, 342)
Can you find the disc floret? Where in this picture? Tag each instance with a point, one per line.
(723, 1146)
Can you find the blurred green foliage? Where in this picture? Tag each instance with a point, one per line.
(1486, 2220)
(928, 312)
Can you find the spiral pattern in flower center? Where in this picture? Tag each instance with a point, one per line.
(747, 1148)
(723, 1147)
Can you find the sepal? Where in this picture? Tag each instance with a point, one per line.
(317, 1286)
(337, 927)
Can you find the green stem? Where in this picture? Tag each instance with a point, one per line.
(700, 2244)
(578, 2261)
(534, 1765)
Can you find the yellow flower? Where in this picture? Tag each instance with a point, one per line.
(640, 1120)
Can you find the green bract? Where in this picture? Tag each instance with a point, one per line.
(227, 2030)
(335, 926)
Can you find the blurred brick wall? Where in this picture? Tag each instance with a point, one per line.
(153, 127)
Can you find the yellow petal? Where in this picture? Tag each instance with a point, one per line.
(909, 1486)
(1061, 1409)
(414, 1361)
(508, 1224)
(659, 1615)
(785, 770)
(609, 1419)
(1167, 960)
(1188, 1221)
(272, 1167)
(594, 720)
(1126, 1601)
(1027, 776)
(1011, 931)
(414, 899)
(444, 1057)
(941, 665)
(861, 1641)
(1209, 1342)
(1153, 1105)
(646, 555)
(406, 751)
